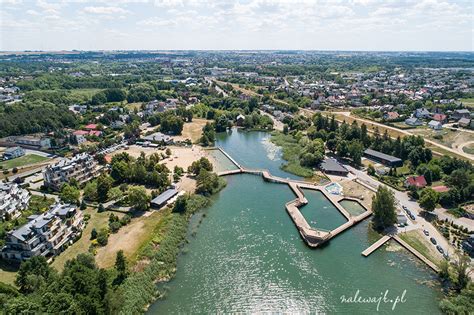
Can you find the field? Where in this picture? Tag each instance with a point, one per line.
(23, 161)
(192, 130)
(129, 238)
(418, 241)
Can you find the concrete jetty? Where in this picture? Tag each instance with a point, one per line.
(376, 245)
(416, 253)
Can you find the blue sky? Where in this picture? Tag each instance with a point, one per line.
(440, 25)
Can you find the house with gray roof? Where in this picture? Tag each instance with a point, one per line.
(331, 166)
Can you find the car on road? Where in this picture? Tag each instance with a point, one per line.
(433, 241)
(426, 232)
(440, 249)
(405, 208)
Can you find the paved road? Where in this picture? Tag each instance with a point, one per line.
(403, 200)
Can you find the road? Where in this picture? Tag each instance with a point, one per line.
(217, 87)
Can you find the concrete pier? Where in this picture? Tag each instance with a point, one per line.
(417, 253)
(376, 245)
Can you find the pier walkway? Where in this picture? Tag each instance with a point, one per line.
(404, 244)
(376, 245)
(312, 236)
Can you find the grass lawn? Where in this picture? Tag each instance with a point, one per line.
(418, 241)
(97, 221)
(7, 273)
(23, 160)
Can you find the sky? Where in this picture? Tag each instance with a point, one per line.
(380, 25)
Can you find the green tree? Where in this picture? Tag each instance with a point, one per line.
(69, 194)
(138, 198)
(201, 164)
(121, 267)
(115, 193)
(90, 191)
(428, 199)
(33, 273)
(104, 183)
(383, 207)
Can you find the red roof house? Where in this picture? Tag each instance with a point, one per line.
(440, 117)
(90, 127)
(440, 189)
(80, 133)
(417, 181)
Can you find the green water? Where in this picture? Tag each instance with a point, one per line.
(353, 207)
(319, 212)
(247, 256)
(223, 162)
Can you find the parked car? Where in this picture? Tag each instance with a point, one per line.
(426, 232)
(440, 249)
(412, 216)
(405, 208)
(433, 241)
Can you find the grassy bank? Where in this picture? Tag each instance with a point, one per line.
(417, 240)
(159, 257)
(291, 153)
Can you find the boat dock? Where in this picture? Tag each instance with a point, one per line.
(376, 245)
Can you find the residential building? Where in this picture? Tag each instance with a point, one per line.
(435, 125)
(47, 234)
(240, 120)
(33, 142)
(464, 122)
(13, 152)
(81, 167)
(331, 166)
(461, 113)
(391, 116)
(417, 181)
(422, 113)
(383, 158)
(442, 118)
(413, 121)
(13, 200)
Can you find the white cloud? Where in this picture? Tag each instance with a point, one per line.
(105, 10)
(32, 12)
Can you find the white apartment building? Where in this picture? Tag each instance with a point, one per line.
(47, 234)
(81, 167)
(13, 200)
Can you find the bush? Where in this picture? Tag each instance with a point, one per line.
(93, 234)
(102, 237)
(115, 226)
(15, 170)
